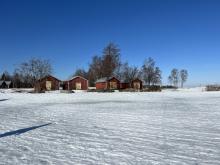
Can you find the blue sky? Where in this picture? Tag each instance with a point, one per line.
(176, 33)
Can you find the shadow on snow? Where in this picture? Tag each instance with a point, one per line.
(4, 99)
(21, 131)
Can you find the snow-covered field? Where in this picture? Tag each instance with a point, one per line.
(181, 127)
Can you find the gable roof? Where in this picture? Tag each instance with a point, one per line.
(137, 79)
(6, 82)
(77, 77)
(105, 79)
(114, 77)
(49, 76)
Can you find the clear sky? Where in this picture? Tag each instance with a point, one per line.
(176, 33)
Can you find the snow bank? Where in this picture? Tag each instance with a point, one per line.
(17, 90)
(195, 89)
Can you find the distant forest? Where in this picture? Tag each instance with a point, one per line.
(106, 65)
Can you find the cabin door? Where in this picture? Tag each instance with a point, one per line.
(113, 85)
(78, 86)
(137, 85)
(48, 85)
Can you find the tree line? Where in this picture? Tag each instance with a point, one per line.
(27, 73)
(109, 64)
(105, 65)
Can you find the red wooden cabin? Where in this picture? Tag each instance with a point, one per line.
(47, 83)
(124, 84)
(76, 83)
(107, 83)
(137, 84)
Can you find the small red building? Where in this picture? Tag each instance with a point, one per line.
(137, 84)
(107, 83)
(47, 83)
(124, 84)
(76, 83)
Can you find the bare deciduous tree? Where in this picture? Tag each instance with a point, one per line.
(105, 66)
(150, 73)
(183, 76)
(17, 80)
(33, 70)
(157, 76)
(174, 77)
(110, 60)
(170, 80)
(129, 73)
(81, 72)
(95, 70)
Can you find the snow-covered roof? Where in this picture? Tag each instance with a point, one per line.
(137, 79)
(104, 79)
(8, 82)
(48, 76)
(76, 77)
